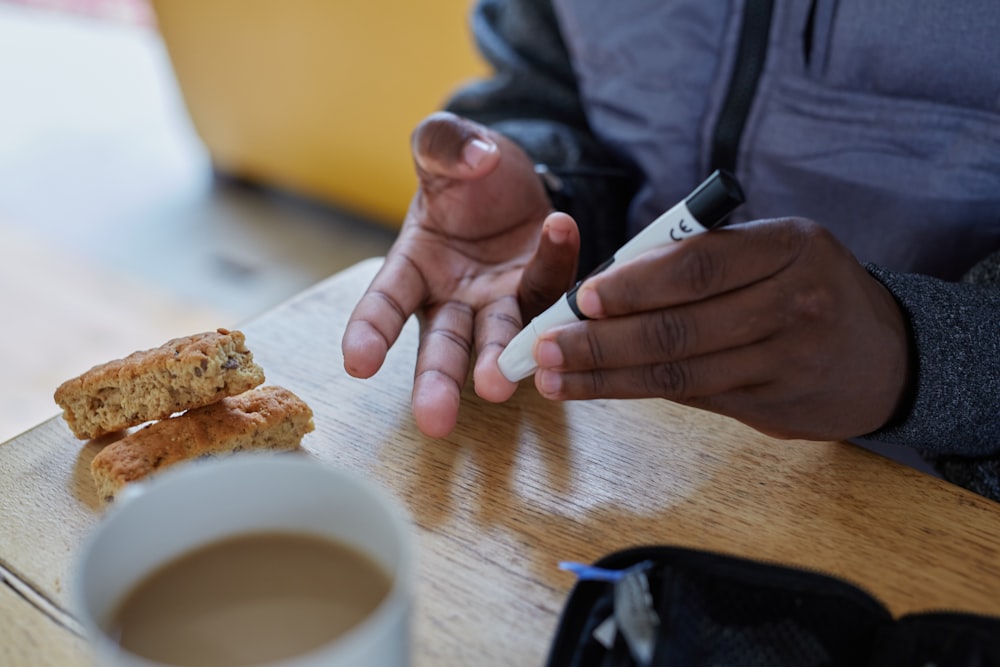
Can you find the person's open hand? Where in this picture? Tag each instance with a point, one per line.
(773, 323)
(477, 248)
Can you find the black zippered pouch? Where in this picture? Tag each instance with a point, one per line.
(725, 611)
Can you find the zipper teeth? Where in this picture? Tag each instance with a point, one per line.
(751, 53)
(654, 553)
(633, 555)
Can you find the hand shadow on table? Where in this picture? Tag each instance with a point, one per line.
(776, 503)
(488, 442)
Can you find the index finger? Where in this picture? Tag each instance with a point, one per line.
(693, 269)
(395, 293)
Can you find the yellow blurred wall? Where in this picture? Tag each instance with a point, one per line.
(318, 97)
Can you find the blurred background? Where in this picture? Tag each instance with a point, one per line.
(172, 166)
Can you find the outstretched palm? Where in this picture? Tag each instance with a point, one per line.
(458, 263)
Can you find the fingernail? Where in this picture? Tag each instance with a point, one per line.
(549, 382)
(476, 150)
(548, 354)
(589, 303)
(556, 235)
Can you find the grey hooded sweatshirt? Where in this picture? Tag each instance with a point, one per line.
(880, 121)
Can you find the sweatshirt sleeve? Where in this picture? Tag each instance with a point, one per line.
(953, 416)
(532, 98)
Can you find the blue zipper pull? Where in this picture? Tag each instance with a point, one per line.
(634, 614)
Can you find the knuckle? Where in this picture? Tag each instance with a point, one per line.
(669, 336)
(808, 304)
(595, 350)
(810, 232)
(813, 304)
(795, 239)
(506, 320)
(700, 269)
(807, 299)
(668, 379)
(391, 304)
(809, 241)
(599, 385)
(440, 334)
(448, 326)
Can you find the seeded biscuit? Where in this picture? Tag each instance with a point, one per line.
(182, 374)
(266, 418)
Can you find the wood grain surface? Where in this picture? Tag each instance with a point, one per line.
(520, 486)
(62, 315)
(28, 636)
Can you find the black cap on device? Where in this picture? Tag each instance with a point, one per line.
(715, 198)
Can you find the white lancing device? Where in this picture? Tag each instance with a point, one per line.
(704, 209)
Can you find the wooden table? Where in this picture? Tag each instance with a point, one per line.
(520, 486)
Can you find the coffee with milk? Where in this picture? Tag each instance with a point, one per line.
(249, 599)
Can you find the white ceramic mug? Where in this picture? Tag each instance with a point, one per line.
(200, 503)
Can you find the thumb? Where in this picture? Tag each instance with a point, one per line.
(446, 145)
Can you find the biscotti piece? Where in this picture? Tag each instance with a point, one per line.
(181, 374)
(265, 418)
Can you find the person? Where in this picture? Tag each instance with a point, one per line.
(856, 294)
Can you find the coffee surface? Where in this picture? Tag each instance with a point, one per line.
(249, 600)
